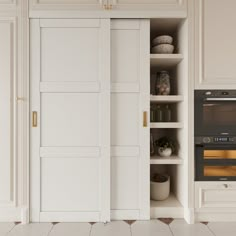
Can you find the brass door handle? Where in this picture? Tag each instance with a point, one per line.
(145, 119)
(34, 119)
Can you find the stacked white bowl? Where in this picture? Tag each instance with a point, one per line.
(163, 45)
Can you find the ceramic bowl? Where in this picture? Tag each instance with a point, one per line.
(163, 39)
(163, 49)
(160, 190)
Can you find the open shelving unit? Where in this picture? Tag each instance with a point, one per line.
(172, 160)
(175, 165)
(166, 99)
(165, 60)
(166, 125)
(170, 206)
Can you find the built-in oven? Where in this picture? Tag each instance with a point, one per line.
(215, 112)
(215, 158)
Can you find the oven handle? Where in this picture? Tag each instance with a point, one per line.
(220, 99)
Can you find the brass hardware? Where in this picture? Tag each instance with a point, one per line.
(19, 99)
(105, 6)
(226, 185)
(34, 119)
(144, 119)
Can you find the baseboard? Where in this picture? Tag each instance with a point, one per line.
(10, 214)
(14, 214)
(215, 217)
(189, 215)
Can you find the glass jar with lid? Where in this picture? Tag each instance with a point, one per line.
(163, 83)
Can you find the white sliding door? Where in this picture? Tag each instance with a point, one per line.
(129, 138)
(70, 104)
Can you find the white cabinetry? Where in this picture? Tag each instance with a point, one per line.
(107, 8)
(67, 4)
(74, 104)
(129, 99)
(215, 201)
(70, 152)
(215, 48)
(148, 4)
(7, 111)
(13, 60)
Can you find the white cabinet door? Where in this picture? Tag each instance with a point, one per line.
(8, 114)
(215, 48)
(215, 197)
(148, 4)
(70, 145)
(129, 139)
(66, 4)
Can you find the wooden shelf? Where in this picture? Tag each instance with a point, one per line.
(172, 160)
(170, 207)
(166, 125)
(165, 61)
(166, 99)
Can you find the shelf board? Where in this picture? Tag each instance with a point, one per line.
(165, 61)
(172, 160)
(170, 207)
(166, 99)
(166, 125)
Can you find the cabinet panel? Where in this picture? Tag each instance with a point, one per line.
(125, 56)
(70, 146)
(125, 183)
(7, 111)
(66, 5)
(78, 61)
(129, 153)
(10, 2)
(215, 44)
(149, 4)
(64, 187)
(215, 197)
(69, 121)
(176, 2)
(124, 119)
(68, 1)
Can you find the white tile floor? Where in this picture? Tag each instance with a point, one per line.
(176, 227)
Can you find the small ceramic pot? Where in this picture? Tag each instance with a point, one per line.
(160, 190)
(164, 152)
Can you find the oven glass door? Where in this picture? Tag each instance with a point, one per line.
(215, 116)
(215, 163)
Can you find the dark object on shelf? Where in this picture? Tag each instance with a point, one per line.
(165, 142)
(152, 149)
(159, 178)
(167, 114)
(163, 83)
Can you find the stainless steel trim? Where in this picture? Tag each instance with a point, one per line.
(220, 99)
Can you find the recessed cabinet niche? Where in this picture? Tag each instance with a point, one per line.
(168, 116)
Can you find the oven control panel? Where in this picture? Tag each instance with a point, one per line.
(222, 139)
(215, 139)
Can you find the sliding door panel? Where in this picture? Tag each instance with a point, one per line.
(70, 91)
(129, 99)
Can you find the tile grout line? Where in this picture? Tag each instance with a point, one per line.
(50, 230)
(90, 230)
(131, 233)
(7, 233)
(171, 230)
(210, 230)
